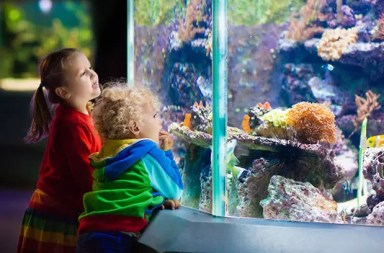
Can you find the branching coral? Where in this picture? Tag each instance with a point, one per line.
(190, 26)
(313, 122)
(365, 106)
(300, 28)
(334, 41)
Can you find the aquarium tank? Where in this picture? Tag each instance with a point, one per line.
(305, 126)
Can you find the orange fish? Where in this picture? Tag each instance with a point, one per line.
(187, 121)
(245, 124)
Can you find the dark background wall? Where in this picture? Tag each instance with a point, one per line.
(110, 21)
(20, 161)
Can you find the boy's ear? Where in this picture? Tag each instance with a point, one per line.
(62, 92)
(134, 128)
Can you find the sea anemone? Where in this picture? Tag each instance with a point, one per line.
(313, 122)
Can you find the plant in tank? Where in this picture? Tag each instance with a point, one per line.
(152, 13)
(252, 12)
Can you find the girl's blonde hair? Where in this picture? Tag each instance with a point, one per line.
(52, 75)
(119, 107)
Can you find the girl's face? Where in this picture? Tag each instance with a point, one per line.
(151, 124)
(81, 81)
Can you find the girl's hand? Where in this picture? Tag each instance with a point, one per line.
(171, 204)
(166, 141)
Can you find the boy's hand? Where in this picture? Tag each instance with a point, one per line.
(171, 204)
(166, 141)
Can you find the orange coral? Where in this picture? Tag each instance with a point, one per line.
(265, 106)
(313, 122)
(198, 105)
(245, 124)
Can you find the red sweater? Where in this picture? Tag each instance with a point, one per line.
(65, 172)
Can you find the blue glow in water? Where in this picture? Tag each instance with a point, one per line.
(329, 67)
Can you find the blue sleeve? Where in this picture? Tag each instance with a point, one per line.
(163, 172)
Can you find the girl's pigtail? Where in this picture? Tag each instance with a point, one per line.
(41, 117)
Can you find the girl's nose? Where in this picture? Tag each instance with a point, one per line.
(93, 74)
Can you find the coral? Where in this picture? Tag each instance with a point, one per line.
(183, 77)
(334, 41)
(313, 122)
(205, 199)
(298, 201)
(277, 117)
(373, 169)
(190, 26)
(201, 117)
(275, 125)
(301, 28)
(265, 106)
(314, 163)
(377, 215)
(365, 106)
(380, 28)
(373, 200)
(254, 185)
(295, 83)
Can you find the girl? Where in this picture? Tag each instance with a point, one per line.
(135, 172)
(50, 222)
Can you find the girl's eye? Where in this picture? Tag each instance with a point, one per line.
(156, 115)
(83, 73)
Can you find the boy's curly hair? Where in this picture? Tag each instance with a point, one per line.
(119, 107)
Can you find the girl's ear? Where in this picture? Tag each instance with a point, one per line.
(63, 93)
(134, 128)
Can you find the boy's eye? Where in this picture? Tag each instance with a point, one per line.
(156, 115)
(83, 73)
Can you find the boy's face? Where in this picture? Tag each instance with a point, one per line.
(151, 123)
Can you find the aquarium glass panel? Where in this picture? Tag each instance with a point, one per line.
(29, 30)
(305, 79)
(173, 56)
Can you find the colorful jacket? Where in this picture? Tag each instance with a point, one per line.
(131, 179)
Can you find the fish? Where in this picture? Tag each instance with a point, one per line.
(245, 124)
(376, 141)
(187, 121)
(329, 67)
